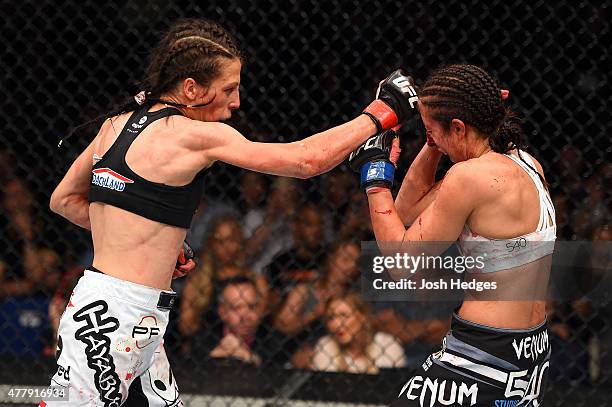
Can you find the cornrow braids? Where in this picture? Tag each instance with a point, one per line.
(190, 48)
(469, 93)
(206, 40)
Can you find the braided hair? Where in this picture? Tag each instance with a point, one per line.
(191, 47)
(469, 93)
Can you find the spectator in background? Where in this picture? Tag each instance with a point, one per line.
(568, 171)
(419, 327)
(253, 191)
(565, 231)
(577, 323)
(594, 209)
(605, 173)
(240, 334)
(25, 325)
(305, 303)
(300, 262)
(301, 316)
(356, 222)
(600, 305)
(352, 344)
(273, 235)
(22, 260)
(29, 273)
(208, 210)
(336, 203)
(222, 259)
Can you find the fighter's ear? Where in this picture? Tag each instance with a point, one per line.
(457, 127)
(192, 89)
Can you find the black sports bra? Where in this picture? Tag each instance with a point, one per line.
(114, 183)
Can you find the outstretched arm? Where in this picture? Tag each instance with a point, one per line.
(306, 158)
(395, 101)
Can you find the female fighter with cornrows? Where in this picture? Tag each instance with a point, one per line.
(497, 351)
(137, 185)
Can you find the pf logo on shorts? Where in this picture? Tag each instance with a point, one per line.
(146, 331)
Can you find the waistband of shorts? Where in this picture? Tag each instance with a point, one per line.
(459, 324)
(134, 293)
(510, 350)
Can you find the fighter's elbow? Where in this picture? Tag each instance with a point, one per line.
(62, 203)
(310, 165)
(305, 171)
(56, 203)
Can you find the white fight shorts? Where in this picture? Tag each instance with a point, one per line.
(110, 345)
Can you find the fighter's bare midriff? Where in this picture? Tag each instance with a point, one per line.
(132, 248)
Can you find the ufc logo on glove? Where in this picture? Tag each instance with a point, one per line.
(404, 83)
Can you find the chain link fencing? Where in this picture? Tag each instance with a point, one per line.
(309, 65)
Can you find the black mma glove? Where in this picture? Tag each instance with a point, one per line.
(375, 160)
(396, 101)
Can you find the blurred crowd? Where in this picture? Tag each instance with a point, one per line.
(278, 277)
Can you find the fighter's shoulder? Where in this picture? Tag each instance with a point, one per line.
(463, 173)
(205, 135)
(470, 177)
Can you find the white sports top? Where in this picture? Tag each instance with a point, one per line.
(502, 254)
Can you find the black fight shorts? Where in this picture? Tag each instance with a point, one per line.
(482, 366)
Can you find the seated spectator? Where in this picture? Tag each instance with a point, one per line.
(222, 259)
(253, 193)
(569, 168)
(208, 210)
(577, 323)
(41, 268)
(352, 344)
(305, 304)
(337, 201)
(419, 324)
(24, 318)
(21, 231)
(570, 359)
(356, 222)
(273, 233)
(565, 229)
(301, 261)
(238, 333)
(594, 209)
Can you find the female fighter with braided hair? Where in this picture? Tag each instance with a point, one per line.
(137, 185)
(495, 202)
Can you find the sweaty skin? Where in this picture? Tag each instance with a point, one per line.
(172, 151)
